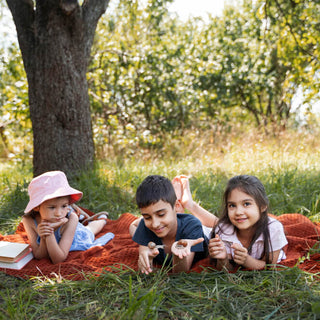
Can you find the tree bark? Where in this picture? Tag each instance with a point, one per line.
(55, 39)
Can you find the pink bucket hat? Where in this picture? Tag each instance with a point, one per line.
(49, 185)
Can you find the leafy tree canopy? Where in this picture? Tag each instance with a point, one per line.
(151, 73)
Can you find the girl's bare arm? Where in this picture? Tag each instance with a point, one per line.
(58, 252)
(39, 250)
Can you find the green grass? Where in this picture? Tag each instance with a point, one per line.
(287, 166)
(286, 294)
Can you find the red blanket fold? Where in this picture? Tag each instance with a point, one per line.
(122, 252)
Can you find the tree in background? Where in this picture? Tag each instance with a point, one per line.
(152, 73)
(153, 77)
(298, 25)
(55, 39)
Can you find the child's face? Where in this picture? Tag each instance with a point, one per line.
(161, 219)
(54, 210)
(243, 211)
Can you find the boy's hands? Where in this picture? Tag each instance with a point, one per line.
(182, 248)
(216, 247)
(146, 256)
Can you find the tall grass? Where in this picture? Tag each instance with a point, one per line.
(287, 165)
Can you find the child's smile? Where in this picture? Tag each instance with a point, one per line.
(243, 211)
(161, 219)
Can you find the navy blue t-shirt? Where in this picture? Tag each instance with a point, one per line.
(189, 227)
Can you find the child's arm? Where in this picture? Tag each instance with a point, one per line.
(58, 252)
(39, 250)
(145, 259)
(133, 226)
(182, 256)
(207, 218)
(217, 250)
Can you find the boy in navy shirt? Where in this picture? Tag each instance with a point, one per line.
(178, 235)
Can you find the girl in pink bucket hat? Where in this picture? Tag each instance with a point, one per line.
(52, 225)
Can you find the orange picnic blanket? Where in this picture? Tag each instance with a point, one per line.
(122, 252)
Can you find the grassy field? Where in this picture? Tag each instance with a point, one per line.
(289, 168)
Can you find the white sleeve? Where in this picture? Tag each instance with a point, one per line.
(277, 236)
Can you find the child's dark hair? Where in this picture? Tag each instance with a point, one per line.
(252, 186)
(153, 189)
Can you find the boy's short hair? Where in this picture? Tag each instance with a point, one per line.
(153, 189)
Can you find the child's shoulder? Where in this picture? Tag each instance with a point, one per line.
(30, 218)
(273, 220)
(274, 225)
(186, 220)
(186, 217)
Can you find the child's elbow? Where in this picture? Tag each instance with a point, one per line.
(56, 261)
(59, 258)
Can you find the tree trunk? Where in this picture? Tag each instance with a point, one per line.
(55, 38)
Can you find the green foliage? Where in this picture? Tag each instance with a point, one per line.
(298, 45)
(138, 91)
(15, 124)
(152, 74)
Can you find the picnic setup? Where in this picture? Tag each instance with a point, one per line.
(122, 252)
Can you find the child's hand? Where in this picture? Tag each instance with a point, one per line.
(44, 229)
(217, 249)
(146, 256)
(240, 253)
(58, 224)
(182, 248)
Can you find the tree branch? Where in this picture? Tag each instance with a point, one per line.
(292, 32)
(92, 11)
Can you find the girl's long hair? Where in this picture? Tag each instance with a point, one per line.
(252, 186)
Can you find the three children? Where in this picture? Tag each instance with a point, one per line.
(244, 235)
